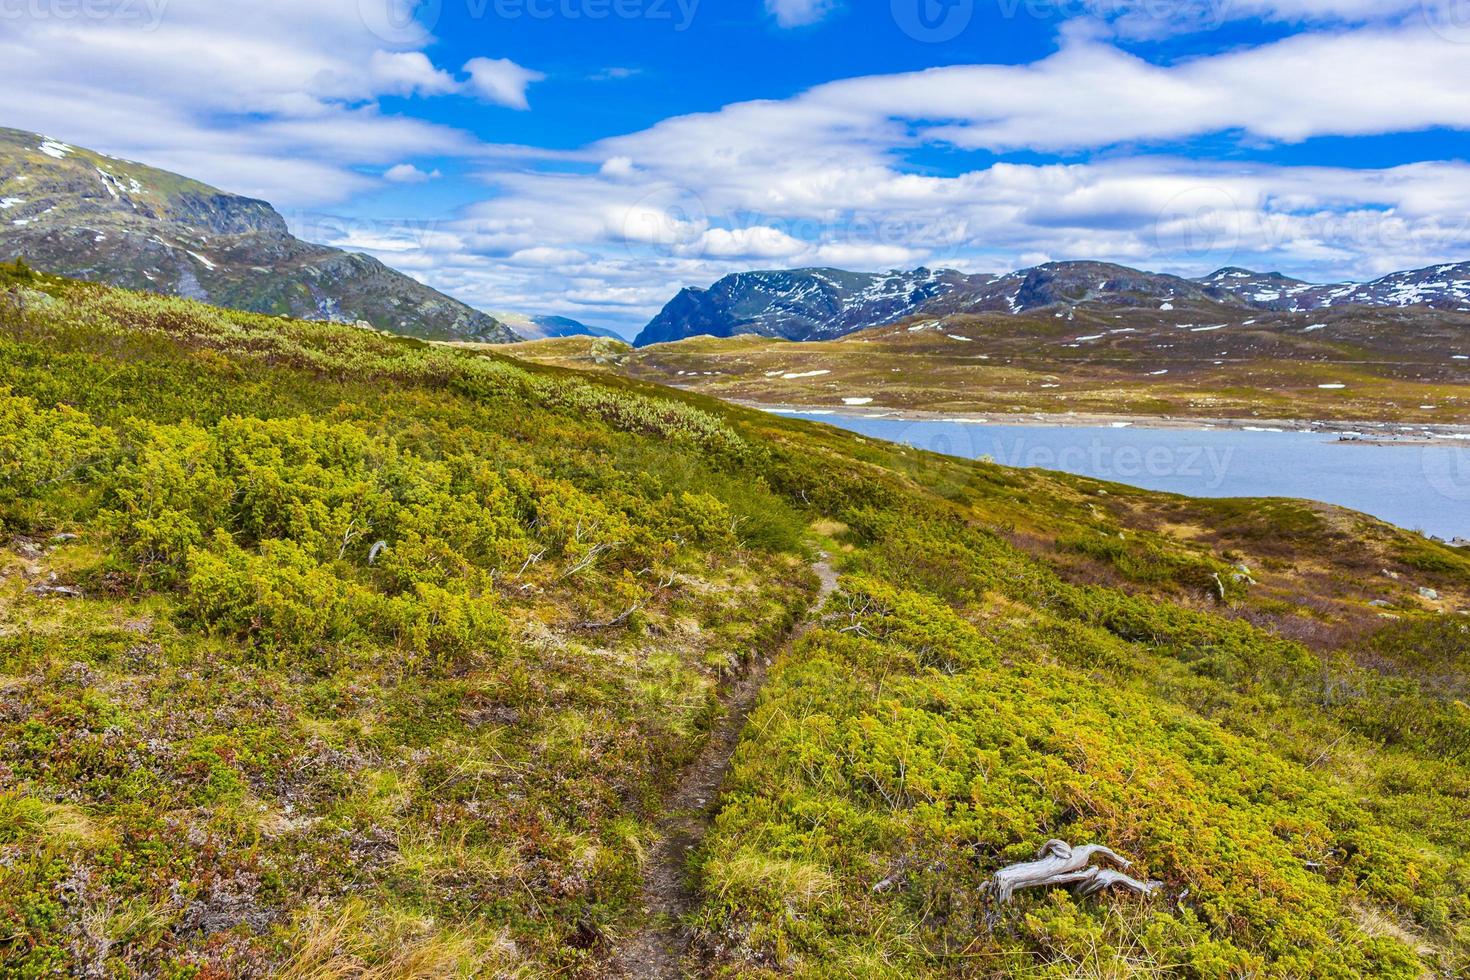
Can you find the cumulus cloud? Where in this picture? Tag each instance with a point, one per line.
(502, 81)
(1154, 19)
(281, 103)
(799, 13)
(407, 173)
(619, 168)
(409, 73)
(557, 257)
(760, 242)
(1091, 94)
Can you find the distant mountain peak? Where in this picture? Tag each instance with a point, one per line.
(76, 212)
(537, 327)
(1445, 286)
(798, 304)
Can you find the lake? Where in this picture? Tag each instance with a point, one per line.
(1418, 487)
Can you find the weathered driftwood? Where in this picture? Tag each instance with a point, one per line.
(1103, 880)
(1059, 864)
(57, 591)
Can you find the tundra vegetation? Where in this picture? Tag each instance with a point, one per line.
(1352, 364)
(328, 654)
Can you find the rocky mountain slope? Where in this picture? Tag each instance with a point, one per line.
(1100, 285)
(822, 304)
(1441, 287)
(802, 304)
(80, 213)
(529, 326)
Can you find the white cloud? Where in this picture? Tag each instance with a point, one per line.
(618, 168)
(407, 173)
(866, 255)
(1090, 94)
(409, 73)
(758, 243)
(502, 81)
(1154, 19)
(278, 103)
(563, 257)
(799, 13)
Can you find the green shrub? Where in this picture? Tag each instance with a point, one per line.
(438, 631)
(281, 601)
(42, 450)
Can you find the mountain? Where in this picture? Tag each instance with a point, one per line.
(533, 327)
(822, 304)
(1263, 290)
(801, 304)
(1441, 287)
(1094, 284)
(76, 212)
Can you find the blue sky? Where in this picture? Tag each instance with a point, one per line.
(590, 157)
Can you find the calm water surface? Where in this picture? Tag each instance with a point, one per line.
(1418, 487)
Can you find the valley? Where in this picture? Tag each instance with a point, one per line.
(1350, 366)
(326, 653)
(768, 490)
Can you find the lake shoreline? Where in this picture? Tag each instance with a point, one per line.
(1348, 433)
(1417, 482)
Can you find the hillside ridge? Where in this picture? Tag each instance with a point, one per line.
(76, 212)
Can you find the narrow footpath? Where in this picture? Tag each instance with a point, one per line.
(657, 951)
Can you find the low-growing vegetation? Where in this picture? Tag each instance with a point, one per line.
(327, 654)
(1355, 363)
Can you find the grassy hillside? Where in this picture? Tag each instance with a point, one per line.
(326, 654)
(1214, 362)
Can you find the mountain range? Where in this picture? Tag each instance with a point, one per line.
(80, 213)
(532, 327)
(823, 304)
